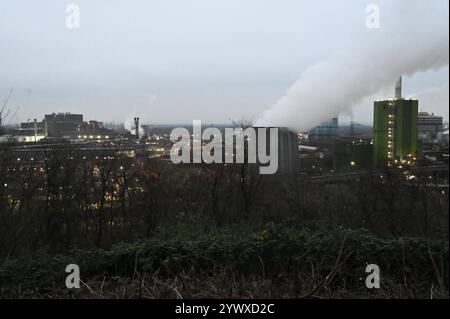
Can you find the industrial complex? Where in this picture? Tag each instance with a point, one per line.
(401, 136)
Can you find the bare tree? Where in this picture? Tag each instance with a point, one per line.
(3, 111)
(243, 122)
(248, 182)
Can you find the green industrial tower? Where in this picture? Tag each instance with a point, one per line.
(395, 130)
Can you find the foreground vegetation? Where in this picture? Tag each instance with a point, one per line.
(150, 229)
(266, 262)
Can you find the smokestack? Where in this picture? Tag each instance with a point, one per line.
(398, 89)
(136, 123)
(35, 130)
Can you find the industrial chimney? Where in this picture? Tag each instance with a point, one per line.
(35, 130)
(398, 89)
(136, 123)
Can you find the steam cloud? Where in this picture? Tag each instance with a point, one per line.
(130, 126)
(411, 39)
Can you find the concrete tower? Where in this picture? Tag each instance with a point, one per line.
(136, 126)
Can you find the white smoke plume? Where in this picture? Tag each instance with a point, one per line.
(143, 114)
(413, 38)
(130, 126)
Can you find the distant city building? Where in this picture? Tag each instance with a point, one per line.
(429, 125)
(395, 132)
(326, 130)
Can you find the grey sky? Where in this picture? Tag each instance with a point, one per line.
(172, 61)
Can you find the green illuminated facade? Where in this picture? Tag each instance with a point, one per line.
(395, 132)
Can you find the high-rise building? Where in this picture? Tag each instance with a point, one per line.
(395, 132)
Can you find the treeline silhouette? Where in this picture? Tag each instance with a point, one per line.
(66, 198)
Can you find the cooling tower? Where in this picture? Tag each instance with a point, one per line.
(288, 153)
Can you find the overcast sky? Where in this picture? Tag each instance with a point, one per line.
(172, 61)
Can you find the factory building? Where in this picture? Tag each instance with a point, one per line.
(395, 131)
(326, 130)
(63, 124)
(31, 131)
(429, 126)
